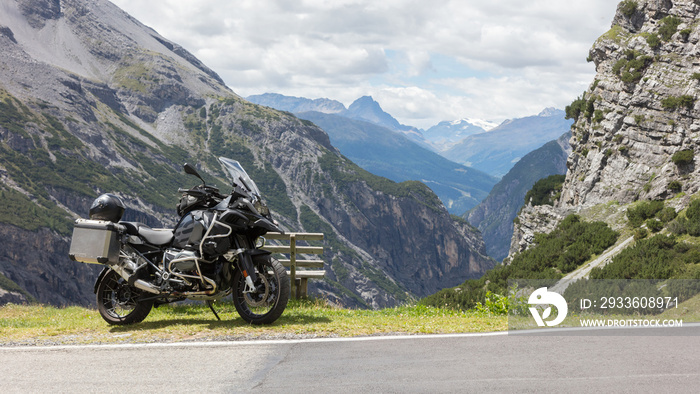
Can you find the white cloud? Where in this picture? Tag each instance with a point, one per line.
(517, 57)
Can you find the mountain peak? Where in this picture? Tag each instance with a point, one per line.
(550, 111)
(365, 108)
(365, 101)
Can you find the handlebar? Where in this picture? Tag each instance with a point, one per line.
(202, 190)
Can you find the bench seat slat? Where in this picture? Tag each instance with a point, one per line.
(298, 236)
(310, 274)
(300, 249)
(304, 263)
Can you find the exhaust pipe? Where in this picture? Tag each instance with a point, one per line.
(131, 278)
(145, 286)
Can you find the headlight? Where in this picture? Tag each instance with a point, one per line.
(262, 208)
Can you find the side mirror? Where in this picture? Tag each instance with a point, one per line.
(191, 170)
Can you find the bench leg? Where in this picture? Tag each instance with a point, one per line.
(302, 289)
(296, 289)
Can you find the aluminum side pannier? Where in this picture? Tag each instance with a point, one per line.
(95, 242)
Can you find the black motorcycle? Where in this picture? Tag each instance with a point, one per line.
(213, 252)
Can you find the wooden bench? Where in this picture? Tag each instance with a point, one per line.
(299, 278)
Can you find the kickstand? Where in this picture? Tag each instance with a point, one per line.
(211, 306)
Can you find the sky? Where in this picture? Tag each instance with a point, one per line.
(422, 61)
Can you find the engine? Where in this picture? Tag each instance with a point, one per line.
(180, 261)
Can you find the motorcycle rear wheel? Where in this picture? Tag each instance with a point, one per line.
(118, 302)
(267, 304)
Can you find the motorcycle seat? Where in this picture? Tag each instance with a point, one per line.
(153, 236)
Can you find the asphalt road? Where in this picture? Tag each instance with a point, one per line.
(450, 363)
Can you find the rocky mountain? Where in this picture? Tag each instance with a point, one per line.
(363, 109)
(643, 110)
(496, 151)
(389, 154)
(494, 216)
(379, 147)
(445, 134)
(298, 104)
(92, 101)
(637, 126)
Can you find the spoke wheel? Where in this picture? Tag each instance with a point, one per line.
(266, 304)
(118, 302)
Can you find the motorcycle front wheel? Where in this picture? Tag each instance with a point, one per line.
(118, 302)
(266, 304)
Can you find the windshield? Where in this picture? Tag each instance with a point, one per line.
(238, 176)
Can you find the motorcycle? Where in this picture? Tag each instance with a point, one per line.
(214, 251)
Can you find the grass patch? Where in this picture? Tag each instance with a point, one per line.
(39, 324)
(689, 311)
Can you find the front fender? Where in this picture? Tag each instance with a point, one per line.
(267, 225)
(255, 253)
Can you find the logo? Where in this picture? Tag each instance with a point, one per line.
(543, 297)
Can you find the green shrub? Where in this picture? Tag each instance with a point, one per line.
(678, 226)
(658, 257)
(666, 215)
(695, 76)
(574, 109)
(654, 41)
(631, 67)
(494, 304)
(630, 77)
(569, 245)
(628, 8)
(579, 107)
(640, 233)
(693, 228)
(683, 157)
(545, 191)
(654, 225)
(645, 210)
(672, 103)
(668, 26)
(693, 211)
(690, 224)
(675, 186)
(598, 116)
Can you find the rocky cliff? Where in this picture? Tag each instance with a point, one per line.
(637, 127)
(641, 109)
(92, 101)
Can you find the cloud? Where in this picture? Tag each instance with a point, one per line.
(422, 61)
